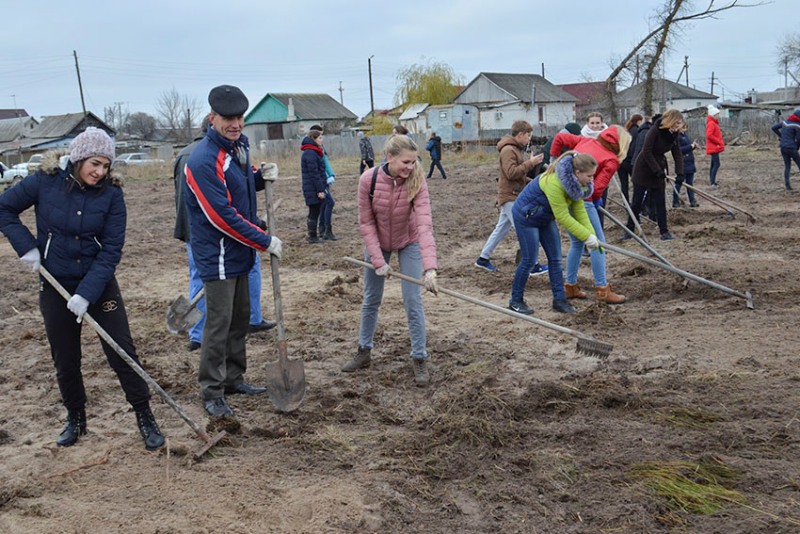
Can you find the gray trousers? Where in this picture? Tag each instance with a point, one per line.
(222, 355)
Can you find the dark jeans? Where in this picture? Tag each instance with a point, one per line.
(789, 156)
(64, 335)
(712, 171)
(313, 213)
(326, 213)
(362, 167)
(223, 360)
(656, 198)
(437, 163)
(529, 238)
(689, 180)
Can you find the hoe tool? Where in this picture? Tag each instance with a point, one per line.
(209, 441)
(586, 344)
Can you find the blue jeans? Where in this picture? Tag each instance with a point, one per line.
(326, 213)
(789, 156)
(410, 259)
(504, 223)
(681, 179)
(712, 171)
(529, 238)
(576, 249)
(195, 285)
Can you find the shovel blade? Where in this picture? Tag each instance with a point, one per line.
(286, 384)
(182, 315)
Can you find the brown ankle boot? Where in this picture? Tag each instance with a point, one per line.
(607, 295)
(574, 291)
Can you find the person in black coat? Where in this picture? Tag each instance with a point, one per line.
(80, 222)
(312, 166)
(687, 151)
(650, 168)
(626, 167)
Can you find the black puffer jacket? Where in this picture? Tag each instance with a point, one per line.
(650, 167)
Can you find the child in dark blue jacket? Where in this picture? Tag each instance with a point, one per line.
(687, 150)
(789, 133)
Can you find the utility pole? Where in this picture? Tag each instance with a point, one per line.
(80, 85)
(341, 93)
(542, 69)
(785, 79)
(188, 125)
(686, 66)
(371, 98)
(712, 82)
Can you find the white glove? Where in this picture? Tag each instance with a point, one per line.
(78, 305)
(383, 270)
(430, 281)
(32, 259)
(331, 179)
(592, 242)
(275, 247)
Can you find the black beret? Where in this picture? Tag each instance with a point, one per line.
(228, 101)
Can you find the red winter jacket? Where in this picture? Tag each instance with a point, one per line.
(607, 161)
(714, 141)
(389, 222)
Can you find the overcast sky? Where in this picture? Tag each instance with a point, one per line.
(131, 52)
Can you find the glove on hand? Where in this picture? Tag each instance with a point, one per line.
(78, 305)
(598, 203)
(275, 247)
(32, 259)
(383, 270)
(331, 179)
(592, 242)
(430, 281)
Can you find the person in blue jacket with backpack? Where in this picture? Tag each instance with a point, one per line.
(434, 146)
(687, 150)
(789, 133)
(80, 222)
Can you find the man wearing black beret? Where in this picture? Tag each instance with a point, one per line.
(225, 237)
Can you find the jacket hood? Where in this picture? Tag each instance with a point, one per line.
(609, 138)
(508, 140)
(572, 186)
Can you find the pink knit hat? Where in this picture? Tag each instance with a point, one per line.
(92, 142)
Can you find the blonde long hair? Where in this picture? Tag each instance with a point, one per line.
(394, 146)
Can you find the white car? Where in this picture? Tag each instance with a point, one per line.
(136, 158)
(12, 175)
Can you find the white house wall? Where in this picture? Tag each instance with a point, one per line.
(553, 114)
(482, 91)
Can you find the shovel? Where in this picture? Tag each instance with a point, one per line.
(286, 379)
(183, 313)
(586, 344)
(209, 441)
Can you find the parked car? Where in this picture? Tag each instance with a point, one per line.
(11, 175)
(136, 158)
(30, 166)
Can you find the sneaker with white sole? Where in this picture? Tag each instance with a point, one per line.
(520, 307)
(538, 270)
(483, 263)
(421, 376)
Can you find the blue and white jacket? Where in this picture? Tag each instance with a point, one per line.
(789, 132)
(221, 201)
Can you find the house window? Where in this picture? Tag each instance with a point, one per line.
(541, 114)
(498, 115)
(443, 115)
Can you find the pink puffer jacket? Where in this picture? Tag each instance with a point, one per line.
(388, 222)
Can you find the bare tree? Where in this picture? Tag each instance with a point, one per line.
(141, 125)
(178, 114)
(667, 21)
(789, 57)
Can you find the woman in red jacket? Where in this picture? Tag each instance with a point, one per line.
(610, 147)
(714, 143)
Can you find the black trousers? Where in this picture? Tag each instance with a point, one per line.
(655, 198)
(436, 163)
(64, 335)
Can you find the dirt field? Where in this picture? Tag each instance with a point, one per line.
(690, 425)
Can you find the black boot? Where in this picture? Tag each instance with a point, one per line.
(153, 439)
(76, 426)
(329, 234)
(311, 224)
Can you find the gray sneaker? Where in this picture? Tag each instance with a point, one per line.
(360, 360)
(421, 376)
